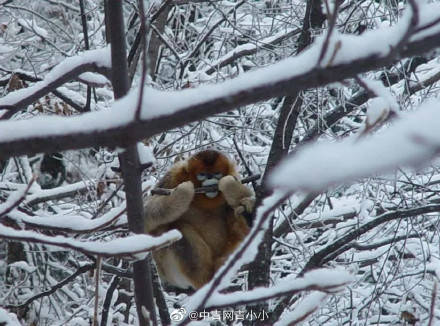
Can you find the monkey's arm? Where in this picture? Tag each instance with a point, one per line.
(161, 210)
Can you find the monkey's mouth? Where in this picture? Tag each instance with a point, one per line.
(210, 182)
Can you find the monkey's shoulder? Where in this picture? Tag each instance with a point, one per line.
(175, 176)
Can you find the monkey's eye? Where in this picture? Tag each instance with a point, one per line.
(218, 175)
(201, 176)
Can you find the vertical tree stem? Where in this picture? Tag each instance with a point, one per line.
(129, 161)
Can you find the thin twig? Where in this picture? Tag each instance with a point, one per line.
(18, 201)
(203, 38)
(332, 24)
(97, 280)
(102, 206)
(410, 30)
(142, 31)
(202, 190)
(108, 300)
(432, 310)
(81, 270)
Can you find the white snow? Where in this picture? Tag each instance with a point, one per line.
(8, 319)
(94, 78)
(42, 194)
(74, 223)
(32, 25)
(161, 103)
(145, 153)
(133, 244)
(24, 266)
(100, 57)
(333, 280)
(411, 141)
(12, 199)
(306, 307)
(382, 92)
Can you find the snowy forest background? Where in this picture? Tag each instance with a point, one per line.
(334, 103)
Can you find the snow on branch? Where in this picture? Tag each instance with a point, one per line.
(128, 246)
(8, 318)
(348, 56)
(81, 270)
(68, 223)
(250, 48)
(43, 195)
(304, 309)
(411, 141)
(70, 68)
(14, 200)
(323, 280)
(344, 243)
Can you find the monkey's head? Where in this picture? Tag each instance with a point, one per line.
(206, 168)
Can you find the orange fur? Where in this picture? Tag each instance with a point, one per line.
(210, 228)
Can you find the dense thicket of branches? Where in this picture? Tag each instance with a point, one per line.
(282, 77)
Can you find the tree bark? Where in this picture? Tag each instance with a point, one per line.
(259, 270)
(130, 167)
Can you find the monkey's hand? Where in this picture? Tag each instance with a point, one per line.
(246, 206)
(182, 195)
(161, 210)
(237, 195)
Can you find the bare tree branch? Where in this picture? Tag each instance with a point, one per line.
(5, 210)
(343, 244)
(130, 165)
(81, 270)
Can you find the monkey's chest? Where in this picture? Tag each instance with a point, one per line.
(211, 226)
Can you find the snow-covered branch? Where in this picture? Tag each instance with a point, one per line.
(412, 141)
(250, 48)
(81, 270)
(343, 244)
(14, 200)
(8, 319)
(304, 309)
(128, 246)
(43, 195)
(71, 68)
(68, 223)
(324, 280)
(165, 110)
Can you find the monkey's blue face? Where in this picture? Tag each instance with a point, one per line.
(209, 179)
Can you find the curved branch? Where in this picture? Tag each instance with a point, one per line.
(312, 281)
(81, 270)
(182, 107)
(128, 246)
(69, 69)
(328, 253)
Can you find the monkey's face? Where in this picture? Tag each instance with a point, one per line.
(210, 179)
(206, 168)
